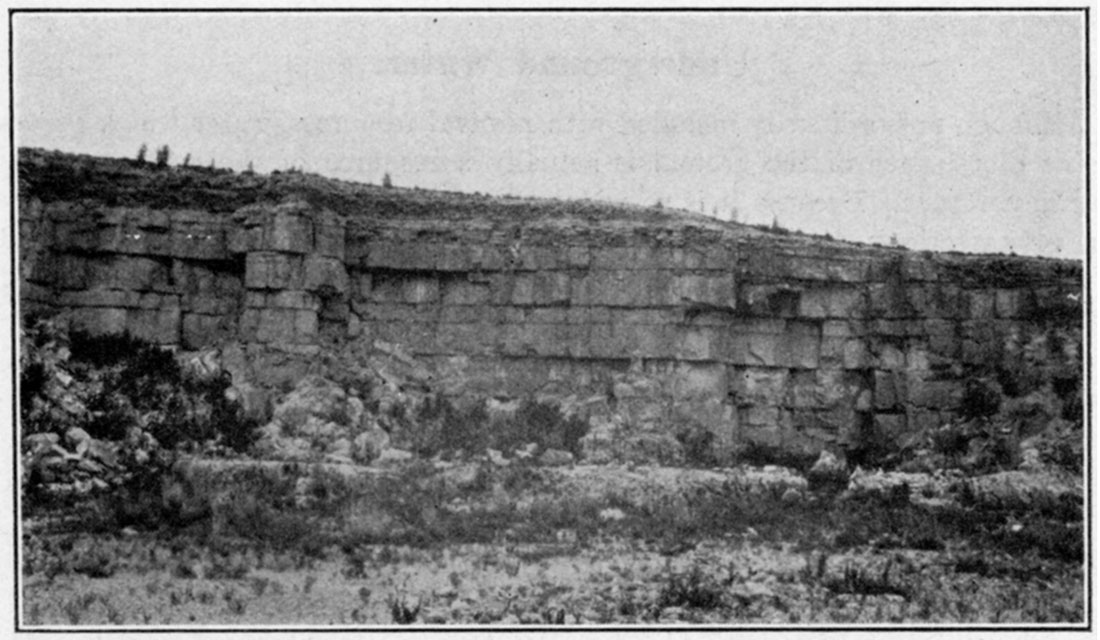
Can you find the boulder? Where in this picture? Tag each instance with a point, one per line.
(828, 472)
(313, 396)
(370, 444)
(555, 458)
(828, 465)
(393, 456)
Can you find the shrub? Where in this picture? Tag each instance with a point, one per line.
(387, 181)
(981, 398)
(759, 454)
(698, 446)
(692, 589)
(121, 405)
(163, 154)
(444, 428)
(859, 581)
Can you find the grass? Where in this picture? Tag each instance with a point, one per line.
(694, 559)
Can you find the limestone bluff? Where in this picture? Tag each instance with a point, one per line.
(644, 318)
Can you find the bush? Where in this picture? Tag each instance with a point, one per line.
(692, 589)
(698, 445)
(443, 428)
(981, 398)
(106, 411)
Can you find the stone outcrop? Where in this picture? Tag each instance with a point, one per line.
(657, 319)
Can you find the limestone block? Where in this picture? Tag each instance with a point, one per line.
(523, 290)
(832, 352)
(701, 343)
(821, 388)
(824, 269)
(1009, 303)
(831, 303)
(621, 288)
(98, 298)
(890, 426)
(823, 425)
(917, 359)
(756, 385)
(387, 288)
(770, 300)
(536, 258)
(937, 301)
(471, 338)
(695, 381)
(654, 341)
(613, 258)
(578, 257)
(291, 300)
(390, 312)
(602, 343)
(67, 271)
(489, 258)
(757, 349)
(978, 352)
(128, 239)
(288, 231)
(33, 297)
(455, 257)
(329, 235)
(360, 285)
(758, 416)
(151, 300)
(410, 256)
(718, 257)
(201, 330)
(581, 315)
(896, 328)
(159, 325)
(889, 389)
(924, 420)
(551, 288)
(981, 304)
(856, 355)
(888, 300)
(325, 273)
(547, 315)
(242, 238)
(79, 235)
(99, 320)
(465, 314)
(716, 291)
(802, 345)
(837, 329)
(536, 339)
(135, 273)
(194, 242)
(926, 392)
(915, 268)
(890, 358)
(421, 289)
(285, 326)
(662, 317)
(268, 270)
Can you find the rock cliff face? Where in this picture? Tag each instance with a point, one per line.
(663, 320)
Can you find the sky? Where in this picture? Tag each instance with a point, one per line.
(949, 130)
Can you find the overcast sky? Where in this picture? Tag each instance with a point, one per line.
(952, 130)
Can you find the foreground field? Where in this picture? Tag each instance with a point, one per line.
(613, 581)
(517, 546)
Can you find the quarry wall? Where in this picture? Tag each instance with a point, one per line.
(752, 336)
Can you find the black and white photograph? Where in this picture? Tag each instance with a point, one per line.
(616, 320)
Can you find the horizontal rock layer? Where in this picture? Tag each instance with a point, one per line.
(673, 319)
